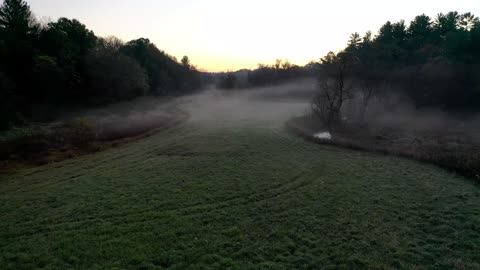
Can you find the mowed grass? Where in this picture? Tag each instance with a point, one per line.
(237, 198)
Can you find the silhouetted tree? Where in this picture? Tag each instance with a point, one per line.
(164, 72)
(420, 28)
(333, 88)
(186, 62)
(18, 32)
(227, 81)
(68, 40)
(16, 17)
(354, 42)
(111, 44)
(282, 70)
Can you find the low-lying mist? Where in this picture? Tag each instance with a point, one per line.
(275, 105)
(391, 124)
(397, 113)
(211, 107)
(271, 106)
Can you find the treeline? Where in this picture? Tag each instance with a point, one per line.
(44, 67)
(436, 62)
(433, 62)
(279, 72)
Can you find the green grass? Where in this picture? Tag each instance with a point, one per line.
(237, 198)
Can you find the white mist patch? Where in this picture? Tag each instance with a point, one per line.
(324, 135)
(266, 106)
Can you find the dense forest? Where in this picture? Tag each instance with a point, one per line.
(435, 63)
(56, 65)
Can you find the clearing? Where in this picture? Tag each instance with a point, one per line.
(231, 189)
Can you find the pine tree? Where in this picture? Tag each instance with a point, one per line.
(16, 17)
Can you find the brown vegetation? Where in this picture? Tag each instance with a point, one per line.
(57, 142)
(452, 148)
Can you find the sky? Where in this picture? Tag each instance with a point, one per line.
(227, 35)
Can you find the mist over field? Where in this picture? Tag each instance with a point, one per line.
(212, 107)
(271, 105)
(275, 105)
(117, 152)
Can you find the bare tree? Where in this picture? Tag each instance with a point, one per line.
(112, 43)
(333, 90)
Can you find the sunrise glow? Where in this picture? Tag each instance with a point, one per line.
(229, 35)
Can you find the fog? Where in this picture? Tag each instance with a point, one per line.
(209, 108)
(268, 106)
(391, 123)
(273, 106)
(397, 113)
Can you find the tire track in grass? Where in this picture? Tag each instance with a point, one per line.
(289, 187)
(139, 146)
(241, 206)
(283, 188)
(138, 217)
(116, 159)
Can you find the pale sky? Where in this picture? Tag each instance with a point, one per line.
(220, 35)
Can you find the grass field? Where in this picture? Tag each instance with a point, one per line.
(237, 196)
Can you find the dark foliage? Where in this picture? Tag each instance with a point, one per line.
(44, 68)
(429, 67)
(435, 62)
(227, 81)
(281, 71)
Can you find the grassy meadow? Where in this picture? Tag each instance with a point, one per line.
(246, 196)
